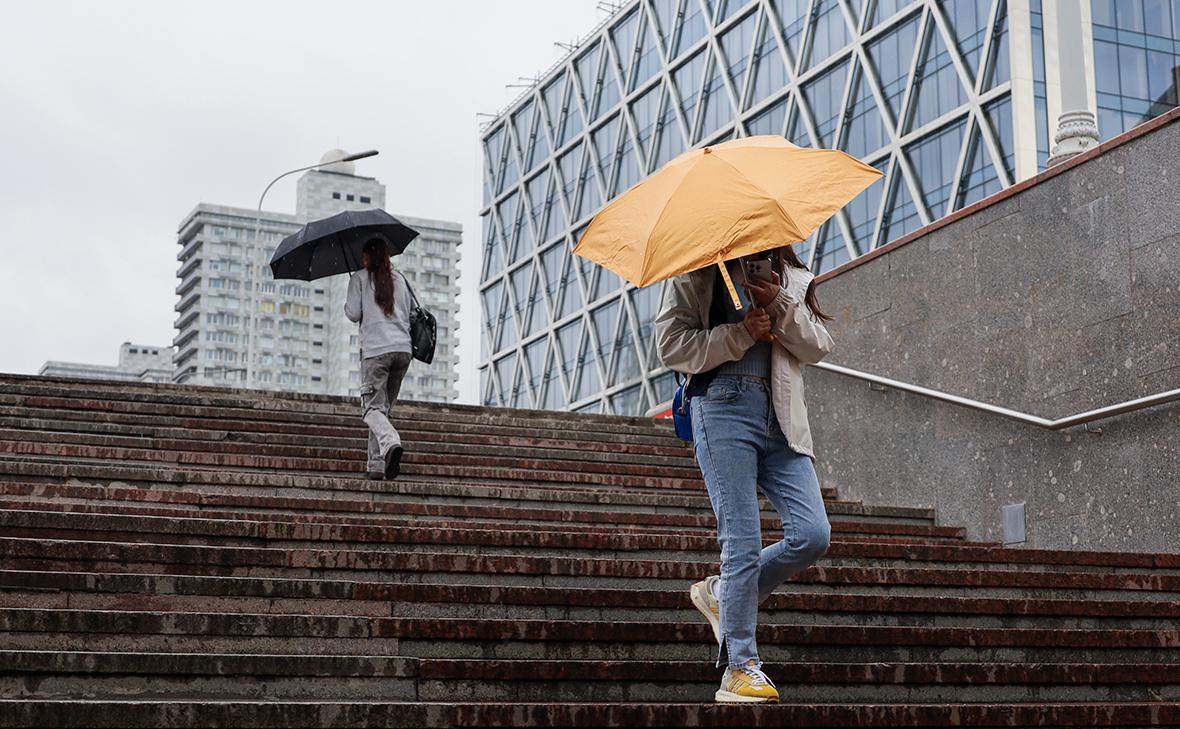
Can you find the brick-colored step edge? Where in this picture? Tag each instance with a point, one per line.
(540, 459)
(210, 422)
(343, 667)
(50, 469)
(839, 528)
(353, 484)
(42, 554)
(18, 620)
(538, 421)
(61, 525)
(410, 488)
(258, 400)
(140, 590)
(423, 440)
(555, 516)
(507, 469)
(131, 714)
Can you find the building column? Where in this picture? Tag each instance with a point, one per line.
(1077, 128)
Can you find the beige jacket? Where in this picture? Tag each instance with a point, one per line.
(687, 345)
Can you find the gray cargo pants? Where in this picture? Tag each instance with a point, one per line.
(381, 380)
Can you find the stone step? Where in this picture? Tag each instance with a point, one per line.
(416, 452)
(48, 469)
(97, 391)
(281, 411)
(464, 493)
(858, 518)
(655, 441)
(40, 554)
(795, 603)
(50, 629)
(132, 714)
(497, 517)
(36, 425)
(854, 531)
(58, 675)
(407, 487)
(123, 528)
(415, 464)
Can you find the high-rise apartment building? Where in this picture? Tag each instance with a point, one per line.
(137, 363)
(303, 341)
(951, 99)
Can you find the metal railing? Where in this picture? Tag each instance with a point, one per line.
(1060, 424)
(1085, 418)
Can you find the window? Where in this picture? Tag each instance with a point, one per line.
(365, 199)
(349, 197)
(318, 344)
(134, 351)
(335, 196)
(317, 361)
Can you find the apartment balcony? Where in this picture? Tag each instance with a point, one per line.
(183, 357)
(185, 286)
(188, 249)
(191, 265)
(187, 302)
(184, 338)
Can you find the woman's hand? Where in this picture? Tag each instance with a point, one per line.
(757, 323)
(763, 292)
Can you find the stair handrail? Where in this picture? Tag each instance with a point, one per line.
(1083, 418)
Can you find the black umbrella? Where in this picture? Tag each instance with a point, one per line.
(333, 245)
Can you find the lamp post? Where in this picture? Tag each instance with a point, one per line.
(251, 307)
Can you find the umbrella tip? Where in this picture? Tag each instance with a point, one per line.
(708, 150)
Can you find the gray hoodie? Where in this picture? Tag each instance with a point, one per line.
(380, 334)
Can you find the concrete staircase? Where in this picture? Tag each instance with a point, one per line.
(193, 557)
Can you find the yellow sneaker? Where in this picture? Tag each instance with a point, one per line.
(746, 685)
(703, 595)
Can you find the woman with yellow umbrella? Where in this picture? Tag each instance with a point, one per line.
(709, 218)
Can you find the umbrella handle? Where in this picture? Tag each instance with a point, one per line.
(733, 294)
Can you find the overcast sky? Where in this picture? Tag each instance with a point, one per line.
(116, 118)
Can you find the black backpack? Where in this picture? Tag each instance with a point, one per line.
(423, 328)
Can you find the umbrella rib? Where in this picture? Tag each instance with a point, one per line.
(764, 192)
(648, 249)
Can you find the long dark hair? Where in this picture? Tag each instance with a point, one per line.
(380, 273)
(786, 255)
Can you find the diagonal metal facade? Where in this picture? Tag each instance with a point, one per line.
(919, 88)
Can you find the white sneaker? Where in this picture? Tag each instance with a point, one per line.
(746, 685)
(704, 597)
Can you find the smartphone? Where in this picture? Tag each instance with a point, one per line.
(759, 269)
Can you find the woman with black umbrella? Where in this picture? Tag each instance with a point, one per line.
(381, 302)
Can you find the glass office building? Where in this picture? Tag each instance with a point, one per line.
(952, 100)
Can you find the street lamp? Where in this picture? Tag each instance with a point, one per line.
(257, 242)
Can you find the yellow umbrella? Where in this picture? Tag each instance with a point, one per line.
(715, 204)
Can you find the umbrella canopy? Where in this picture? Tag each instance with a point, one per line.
(718, 203)
(333, 245)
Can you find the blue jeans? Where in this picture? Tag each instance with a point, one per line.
(741, 449)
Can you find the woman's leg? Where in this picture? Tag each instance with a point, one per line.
(727, 431)
(399, 364)
(375, 408)
(788, 479)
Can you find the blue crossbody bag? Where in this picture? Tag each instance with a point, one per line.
(681, 419)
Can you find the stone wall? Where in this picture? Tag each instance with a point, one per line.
(1057, 296)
